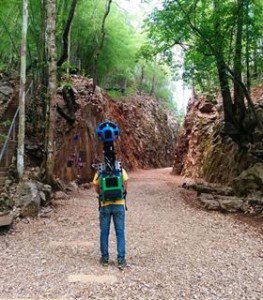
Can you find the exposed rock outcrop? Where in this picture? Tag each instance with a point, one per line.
(202, 152)
(147, 132)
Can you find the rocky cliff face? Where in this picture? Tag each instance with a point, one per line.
(202, 152)
(147, 137)
(148, 133)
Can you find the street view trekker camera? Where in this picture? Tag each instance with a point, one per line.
(110, 171)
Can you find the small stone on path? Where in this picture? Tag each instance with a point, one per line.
(6, 220)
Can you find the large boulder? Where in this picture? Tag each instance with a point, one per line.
(250, 181)
(223, 203)
(6, 219)
(30, 195)
(28, 199)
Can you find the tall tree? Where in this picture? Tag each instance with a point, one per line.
(21, 132)
(52, 89)
(198, 24)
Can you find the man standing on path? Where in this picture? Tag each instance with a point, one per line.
(112, 210)
(110, 182)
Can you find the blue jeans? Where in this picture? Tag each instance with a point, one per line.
(117, 212)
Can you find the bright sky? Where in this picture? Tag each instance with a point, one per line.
(140, 9)
(135, 5)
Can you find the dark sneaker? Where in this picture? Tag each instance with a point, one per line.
(122, 264)
(104, 261)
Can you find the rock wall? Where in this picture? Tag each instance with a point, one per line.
(147, 132)
(201, 152)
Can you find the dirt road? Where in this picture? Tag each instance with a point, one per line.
(174, 251)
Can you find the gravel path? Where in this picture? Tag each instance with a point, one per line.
(174, 251)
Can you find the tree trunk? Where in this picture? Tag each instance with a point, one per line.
(239, 104)
(44, 60)
(52, 88)
(21, 132)
(248, 77)
(153, 83)
(141, 80)
(225, 90)
(221, 69)
(100, 46)
(69, 98)
(66, 33)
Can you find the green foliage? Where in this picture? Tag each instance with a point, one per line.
(6, 123)
(2, 137)
(120, 61)
(73, 69)
(2, 67)
(66, 84)
(118, 53)
(116, 95)
(191, 25)
(10, 20)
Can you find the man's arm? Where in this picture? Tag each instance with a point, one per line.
(125, 179)
(125, 185)
(97, 188)
(96, 183)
